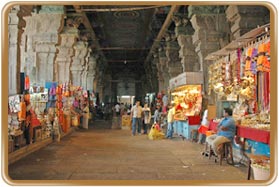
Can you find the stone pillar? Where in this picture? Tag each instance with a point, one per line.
(211, 33)
(245, 18)
(15, 26)
(184, 32)
(63, 60)
(172, 54)
(107, 95)
(100, 88)
(85, 70)
(91, 72)
(164, 69)
(156, 62)
(154, 77)
(39, 43)
(77, 65)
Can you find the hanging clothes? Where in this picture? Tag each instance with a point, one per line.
(22, 112)
(263, 64)
(26, 82)
(253, 65)
(52, 90)
(248, 61)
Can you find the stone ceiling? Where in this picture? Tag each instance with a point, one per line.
(125, 34)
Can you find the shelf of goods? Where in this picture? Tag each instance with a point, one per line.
(255, 127)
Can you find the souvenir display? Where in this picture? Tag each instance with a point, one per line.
(14, 103)
(188, 101)
(243, 76)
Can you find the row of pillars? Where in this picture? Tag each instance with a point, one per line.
(204, 30)
(46, 50)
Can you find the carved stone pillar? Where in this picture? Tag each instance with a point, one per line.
(159, 73)
(154, 76)
(39, 41)
(85, 70)
(77, 65)
(164, 68)
(15, 25)
(172, 54)
(107, 95)
(211, 33)
(91, 72)
(184, 32)
(100, 90)
(245, 18)
(63, 60)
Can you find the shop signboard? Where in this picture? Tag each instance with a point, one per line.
(186, 78)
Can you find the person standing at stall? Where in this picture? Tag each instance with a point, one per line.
(171, 113)
(136, 115)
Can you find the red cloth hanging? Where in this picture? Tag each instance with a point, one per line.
(27, 82)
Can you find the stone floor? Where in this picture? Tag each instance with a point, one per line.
(101, 153)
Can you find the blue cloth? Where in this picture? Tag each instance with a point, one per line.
(229, 123)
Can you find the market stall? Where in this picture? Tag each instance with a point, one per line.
(186, 93)
(241, 73)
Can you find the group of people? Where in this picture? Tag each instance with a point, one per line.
(141, 118)
(225, 131)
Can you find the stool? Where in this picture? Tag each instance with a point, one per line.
(208, 152)
(226, 150)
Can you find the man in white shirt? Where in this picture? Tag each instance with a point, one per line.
(117, 109)
(136, 115)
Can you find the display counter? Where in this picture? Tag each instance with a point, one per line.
(257, 135)
(183, 128)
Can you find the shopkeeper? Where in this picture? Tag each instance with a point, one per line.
(225, 133)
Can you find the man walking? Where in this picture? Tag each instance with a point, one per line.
(136, 115)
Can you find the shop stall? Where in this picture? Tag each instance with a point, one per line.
(33, 113)
(240, 75)
(186, 93)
